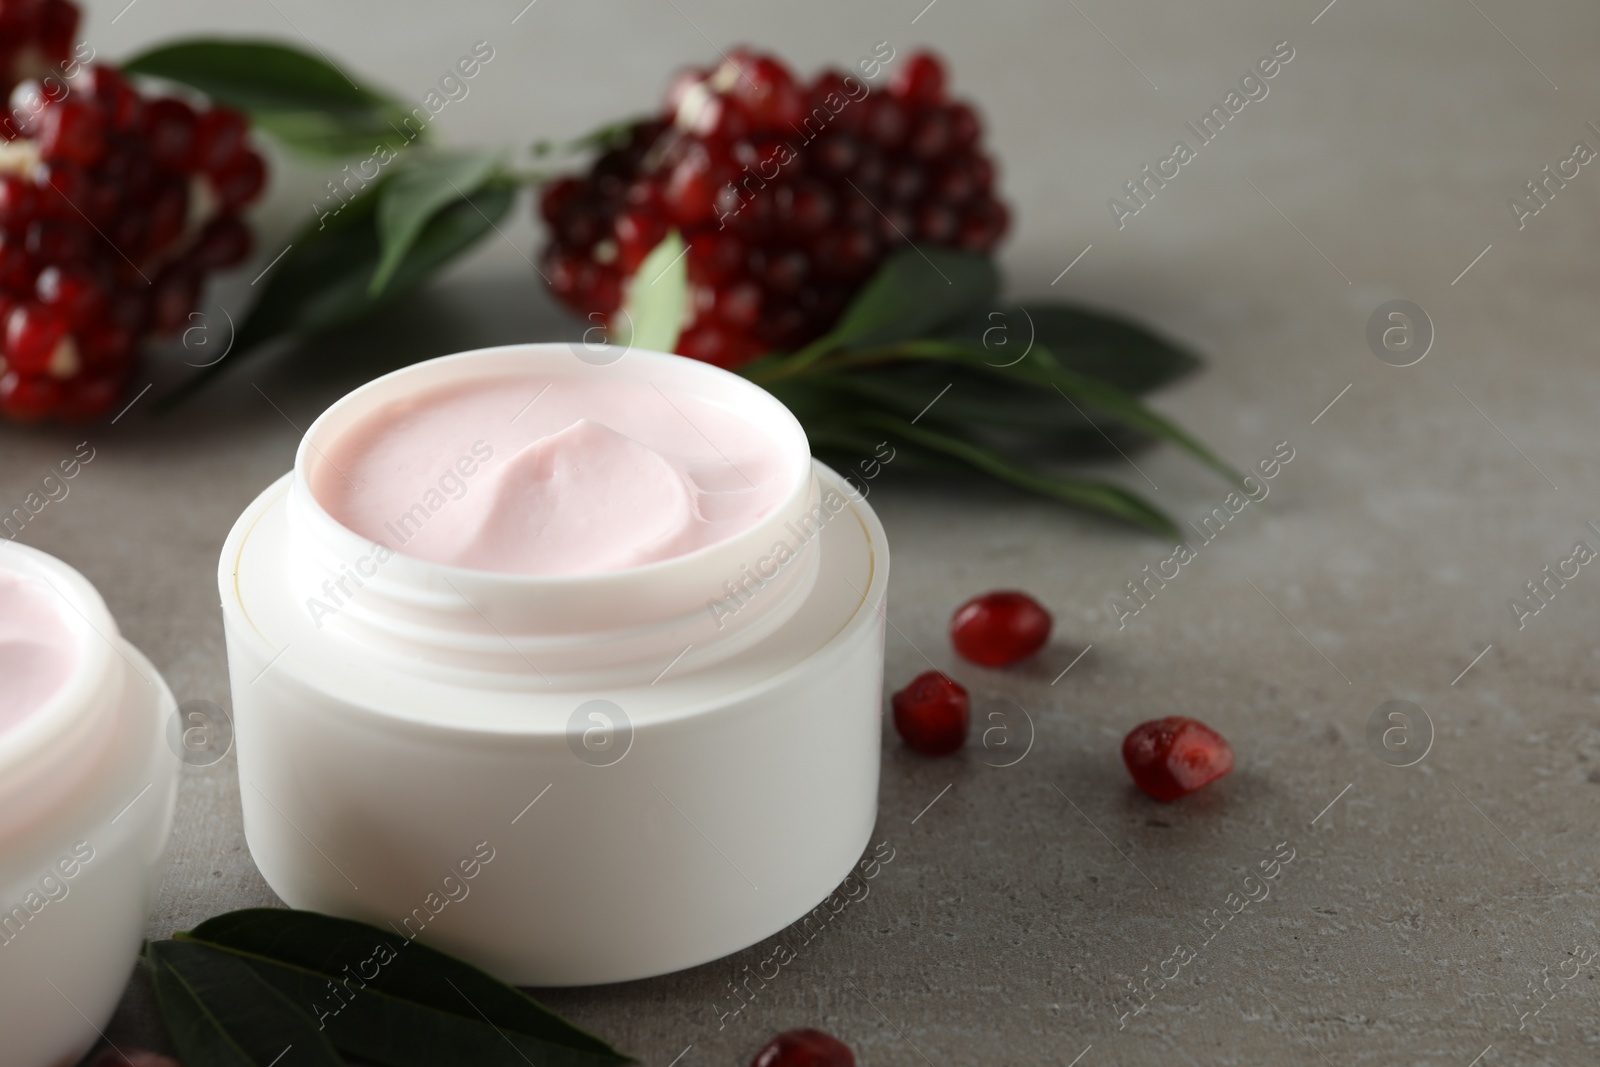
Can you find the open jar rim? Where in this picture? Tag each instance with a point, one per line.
(491, 619)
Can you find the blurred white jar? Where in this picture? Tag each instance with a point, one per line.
(88, 784)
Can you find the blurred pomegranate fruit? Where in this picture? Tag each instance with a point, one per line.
(789, 195)
(114, 206)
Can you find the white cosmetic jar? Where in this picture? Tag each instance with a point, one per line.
(88, 784)
(564, 780)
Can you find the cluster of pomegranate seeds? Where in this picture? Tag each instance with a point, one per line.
(113, 208)
(788, 195)
(804, 1048)
(998, 629)
(931, 714)
(1173, 757)
(35, 38)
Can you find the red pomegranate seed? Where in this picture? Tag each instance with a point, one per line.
(73, 132)
(32, 334)
(240, 181)
(920, 81)
(931, 714)
(28, 397)
(169, 127)
(225, 242)
(1172, 757)
(58, 24)
(219, 134)
(557, 197)
(999, 628)
(763, 87)
(18, 202)
(804, 1048)
(86, 398)
(71, 291)
(116, 99)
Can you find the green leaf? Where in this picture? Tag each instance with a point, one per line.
(220, 1013)
(658, 298)
(1115, 350)
(304, 100)
(1040, 368)
(914, 293)
(323, 280)
(1103, 497)
(415, 196)
(397, 1002)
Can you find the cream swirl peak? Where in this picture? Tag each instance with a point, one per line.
(524, 475)
(38, 651)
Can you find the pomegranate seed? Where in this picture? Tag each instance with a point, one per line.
(32, 334)
(930, 137)
(28, 397)
(58, 25)
(557, 197)
(240, 181)
(176, 292)
(70, 291)
(931, 714)
(18, 202)
(920, 81)
(997, 629)
(638, 232)
(690, 192)
(88, 397)
(804, 1048)
(219, 135)
(59, 241)
(117, 100)
(739, 306)
(225, 242)
(169, 128)
(167, 213)
(964, 126)
(886, 122)
(63, 190)
(1173, 757)
(937, 224)
(72, 132)
(763, 87)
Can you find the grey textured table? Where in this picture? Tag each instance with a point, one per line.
(1423, 904)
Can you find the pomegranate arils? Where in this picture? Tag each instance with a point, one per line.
(921, 80)
(219, 136)
(1172, 757)
(72, 132)
(791, 193)
(99, 246)
(169, 128)
(32, 334)
(28, 397)
(999, 628)
(931, 714)
(804, 1048)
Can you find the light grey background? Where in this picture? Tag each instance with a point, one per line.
(1425, 903)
